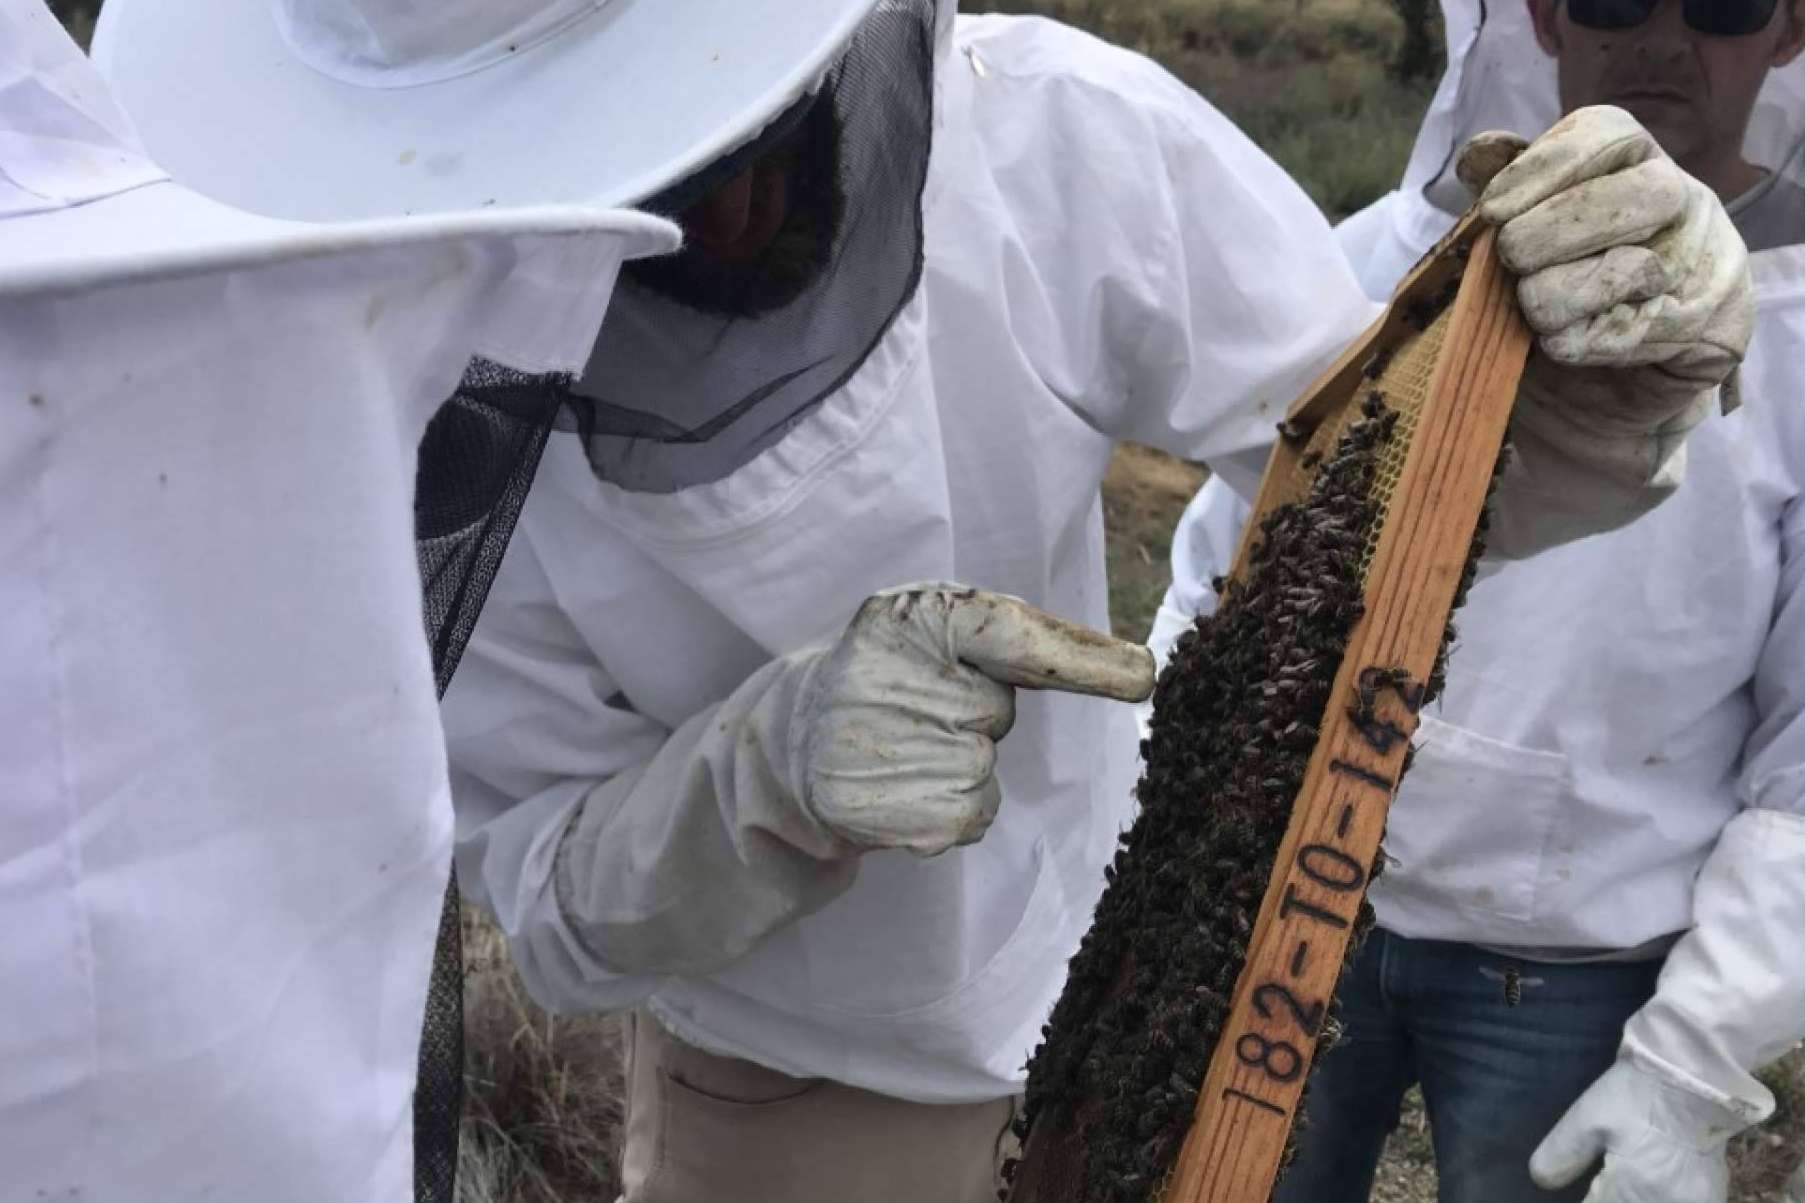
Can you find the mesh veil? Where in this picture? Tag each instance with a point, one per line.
(477, 462)
(679, 390)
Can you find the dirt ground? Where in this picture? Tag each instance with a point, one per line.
(1143, 495)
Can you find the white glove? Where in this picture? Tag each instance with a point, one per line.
(900, 721)
(1660, 1142)
(752, 813)
(1637, 284)
(1731, 999)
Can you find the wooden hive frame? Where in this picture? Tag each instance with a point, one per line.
(1251, 1093)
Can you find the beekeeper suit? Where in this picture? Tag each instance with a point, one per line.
(934, 274)
(1619, 762)
(226, 827)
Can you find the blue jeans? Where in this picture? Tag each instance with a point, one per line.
(1495, 1077)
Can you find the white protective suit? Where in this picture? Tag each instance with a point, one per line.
(1620, 755)
(226, 824)
(621, 620)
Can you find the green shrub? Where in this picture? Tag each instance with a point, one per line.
(1311, 81)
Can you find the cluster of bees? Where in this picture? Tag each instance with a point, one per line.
(1113, 1087)
(1236, 715)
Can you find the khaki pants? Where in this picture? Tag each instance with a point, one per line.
(707, 1129)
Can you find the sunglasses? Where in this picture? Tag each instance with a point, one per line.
(1718, 18)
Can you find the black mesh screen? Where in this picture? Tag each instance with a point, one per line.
(439, 1080)
(702, 364)
(477, 461)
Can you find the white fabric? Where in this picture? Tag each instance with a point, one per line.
(385, 44)
(1203, 548)
(749, 814)
(946, 16)
(561, 260)
(1107, 258)
(226, 826)
(63, 142)
(601, 105)
(1730, 999)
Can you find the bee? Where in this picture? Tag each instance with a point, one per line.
(1513, 982)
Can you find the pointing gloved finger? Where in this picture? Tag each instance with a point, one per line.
(1584, 145)
(1557, 297)
(1011, 641)
(1484, 156)
(1629, 206)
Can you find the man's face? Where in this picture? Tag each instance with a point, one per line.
(1693, 91)
(756, 242)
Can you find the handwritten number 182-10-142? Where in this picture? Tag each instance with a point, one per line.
(1329, 868)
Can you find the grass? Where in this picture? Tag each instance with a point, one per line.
(542, 1108)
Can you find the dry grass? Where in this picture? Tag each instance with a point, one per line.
(542, 1110)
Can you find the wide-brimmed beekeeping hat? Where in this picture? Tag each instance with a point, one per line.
(320, 109)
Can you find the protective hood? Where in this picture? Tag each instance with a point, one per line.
(216, 512)
(1498, 78)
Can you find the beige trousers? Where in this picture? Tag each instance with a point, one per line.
(707, 1129)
